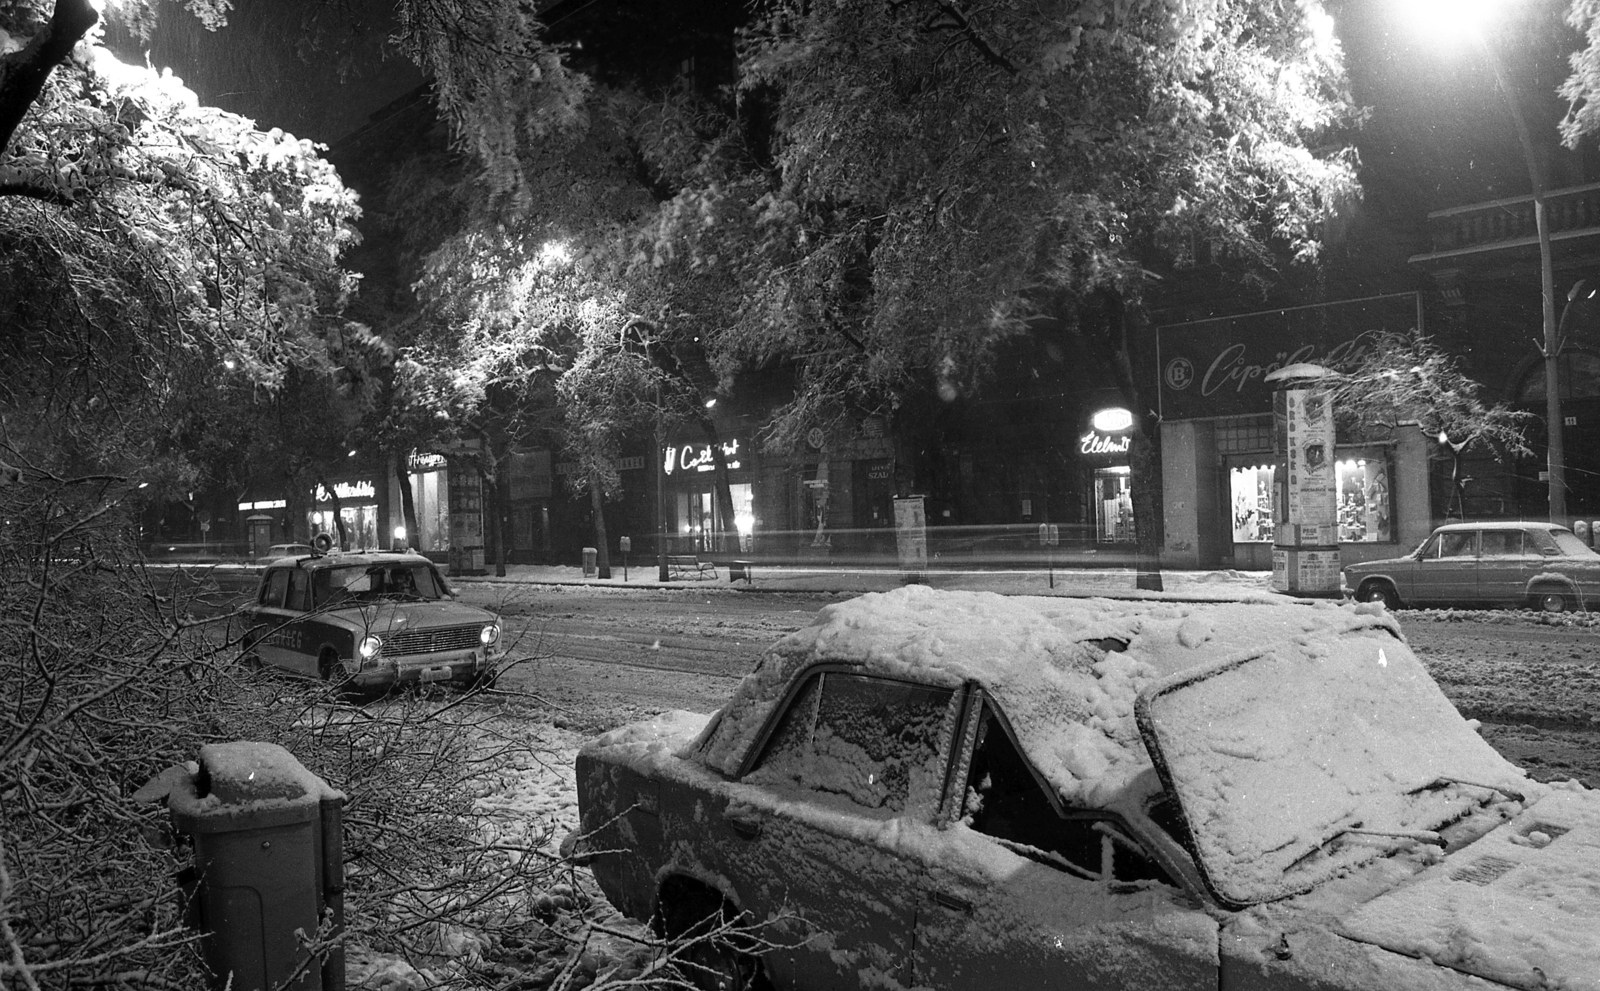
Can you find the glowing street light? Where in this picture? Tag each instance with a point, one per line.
(1447, 19)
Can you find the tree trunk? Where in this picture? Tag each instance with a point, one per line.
(723, 491)
(408, 503)
(338, 513)
(23, 73)
(597, 500)
(502, 515)
(1144, 448)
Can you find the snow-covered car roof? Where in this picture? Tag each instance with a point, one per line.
(348, 559)
(1052, 664)
(1499, 525)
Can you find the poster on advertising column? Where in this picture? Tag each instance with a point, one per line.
(1310, 506)
(1305, 553)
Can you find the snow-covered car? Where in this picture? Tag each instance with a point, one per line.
(370, 620)
(287, 550)
(961, 790)
(1543, 565)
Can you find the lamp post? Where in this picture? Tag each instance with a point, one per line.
(1555, 445)
(658, 466)
(1442, 17)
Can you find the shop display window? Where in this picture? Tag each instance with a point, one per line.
(1364, 501)
(1252, 503)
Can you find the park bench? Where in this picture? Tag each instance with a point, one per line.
(689, 566)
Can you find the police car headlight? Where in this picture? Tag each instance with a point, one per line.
(369, 648)
(489, 634)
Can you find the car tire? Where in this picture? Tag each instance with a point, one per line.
(328, 667)
(686, 909)
(251, 661)
(1379, 591)
(1551, 600)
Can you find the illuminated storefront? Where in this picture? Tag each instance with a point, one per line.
(1104, 447)
(694, 519)
(1219, 467)
(357, 508)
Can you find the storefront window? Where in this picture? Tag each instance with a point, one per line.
(1252, 503)
(1113, 495)
(1364, 504)
(1363, 500)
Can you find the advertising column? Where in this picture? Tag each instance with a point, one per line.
(466, 519)
(911, 538)
(1305, 552)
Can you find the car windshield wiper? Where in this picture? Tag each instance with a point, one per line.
(1427, 836)
(1442, 781)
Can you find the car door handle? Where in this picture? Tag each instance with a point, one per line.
(952, 902)
(743, 823)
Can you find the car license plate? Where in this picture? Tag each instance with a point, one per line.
(434, 674)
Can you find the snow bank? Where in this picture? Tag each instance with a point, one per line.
(1057, 666)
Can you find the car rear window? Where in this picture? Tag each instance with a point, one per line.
(1570, 544)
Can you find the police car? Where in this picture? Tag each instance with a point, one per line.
(368, 619)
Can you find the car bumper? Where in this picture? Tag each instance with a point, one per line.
(452, 666)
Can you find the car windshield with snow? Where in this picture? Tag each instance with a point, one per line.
(371, 620)
(963, 790)
(1542, 565)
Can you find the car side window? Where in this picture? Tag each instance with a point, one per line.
(273, 588)
(1502, 543)
(1004, 800)
(1541, 542)
(876, 741)
(299, 590)
(1457, 545)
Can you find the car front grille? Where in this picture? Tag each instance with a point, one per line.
(436, 641)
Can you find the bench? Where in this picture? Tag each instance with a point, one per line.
(738, 570)
(689, 566)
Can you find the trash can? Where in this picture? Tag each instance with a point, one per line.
(268, 860)
(590, 556)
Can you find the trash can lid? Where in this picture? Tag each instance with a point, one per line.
(246, 785)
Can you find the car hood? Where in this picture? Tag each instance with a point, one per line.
(1298, 762)
(1382, 564)
(1519, 906)
(392, 617)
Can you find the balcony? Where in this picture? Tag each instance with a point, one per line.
(1499, 237)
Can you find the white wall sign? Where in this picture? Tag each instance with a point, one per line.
(698, 457)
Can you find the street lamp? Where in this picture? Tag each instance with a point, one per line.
(1467, 17)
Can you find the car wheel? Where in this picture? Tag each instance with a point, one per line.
(1551, 600)
(690, 912)
(1380, 592)
(329, 668)
(251, 662)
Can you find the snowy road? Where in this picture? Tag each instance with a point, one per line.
(602, 656)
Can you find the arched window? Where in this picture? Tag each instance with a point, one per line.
(1579, 375)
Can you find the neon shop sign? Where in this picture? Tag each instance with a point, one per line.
(698, 457)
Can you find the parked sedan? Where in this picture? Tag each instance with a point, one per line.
(1498, 564)
(968, 791)
(371, 620)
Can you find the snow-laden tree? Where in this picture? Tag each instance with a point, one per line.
(943, 176)
(1405, 378)
(153, 250)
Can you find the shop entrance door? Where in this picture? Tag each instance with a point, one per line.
(1113, 505)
